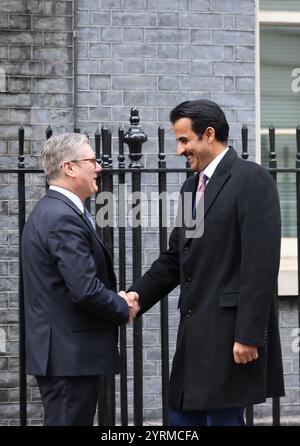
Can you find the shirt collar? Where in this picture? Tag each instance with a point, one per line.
(73, 197)
(209, 170)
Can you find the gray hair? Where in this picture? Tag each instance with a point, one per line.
(58, 149)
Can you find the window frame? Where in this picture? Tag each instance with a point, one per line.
(273, 18)
(288, 244)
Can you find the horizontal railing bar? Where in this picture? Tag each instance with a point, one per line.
(21, 171)
(283, 169)
(105, 171)
(287, 296)
(154, 170)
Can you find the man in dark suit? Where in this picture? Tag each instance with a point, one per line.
(228, 352)
(72, 310)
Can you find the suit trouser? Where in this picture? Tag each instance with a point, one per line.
(233, 416)
(69, 400)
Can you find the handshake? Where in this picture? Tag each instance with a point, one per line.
(132, 299)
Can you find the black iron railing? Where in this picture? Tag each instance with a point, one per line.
(134, 138)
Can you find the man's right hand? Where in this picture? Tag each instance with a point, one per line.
(132, 299)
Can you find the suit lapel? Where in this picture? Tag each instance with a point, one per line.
(185, 211)
(58, 196)
(191, 186)
(216, 182)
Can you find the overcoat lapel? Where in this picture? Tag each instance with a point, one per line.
(213, 188)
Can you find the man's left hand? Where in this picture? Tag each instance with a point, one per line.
(243, 353)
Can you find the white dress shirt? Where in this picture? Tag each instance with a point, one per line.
(209, 170)
(73, 197)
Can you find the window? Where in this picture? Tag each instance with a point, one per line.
(279, 25)
(279, 5)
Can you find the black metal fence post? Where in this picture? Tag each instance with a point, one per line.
(245, 155)
(164, 306)
(22, 217)
(107, 186)
(48, 135)
(122, 277)
(48, 132)
(106, 411)
(135, 137)
(272, 153)
(98, 146)
(273, 165)
(99, 178)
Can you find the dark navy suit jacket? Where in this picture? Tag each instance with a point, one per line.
(72, 311)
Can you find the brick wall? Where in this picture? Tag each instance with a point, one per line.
(36, 89)
(154, 54)
(36, 46)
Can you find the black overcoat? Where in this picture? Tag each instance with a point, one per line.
(227, 279)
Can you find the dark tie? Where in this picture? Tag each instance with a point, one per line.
(89, 217)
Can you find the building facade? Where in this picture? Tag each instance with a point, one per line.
(87, 62)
